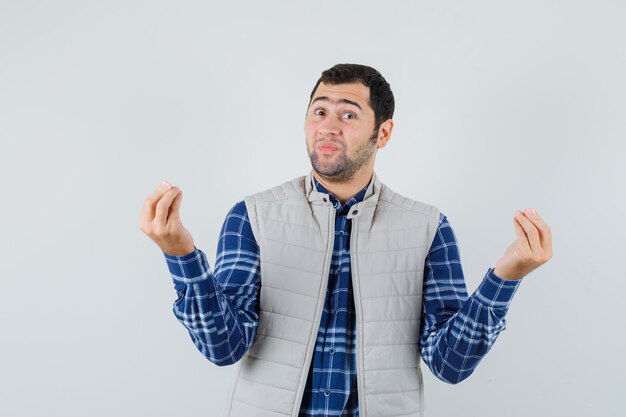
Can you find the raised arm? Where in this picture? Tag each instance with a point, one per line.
(219, 309)
(457, 330)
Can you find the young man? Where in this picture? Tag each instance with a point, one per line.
(328, 287)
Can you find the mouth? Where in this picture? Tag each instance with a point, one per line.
(327, 147)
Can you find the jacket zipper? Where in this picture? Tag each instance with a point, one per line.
(320, 305)
(357, 309)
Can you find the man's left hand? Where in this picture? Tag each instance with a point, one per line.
(531, 249)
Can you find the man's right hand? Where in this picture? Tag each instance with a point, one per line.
(160, 220)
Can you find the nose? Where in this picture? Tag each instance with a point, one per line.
(329, 127)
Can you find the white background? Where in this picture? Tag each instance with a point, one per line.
(499, 106)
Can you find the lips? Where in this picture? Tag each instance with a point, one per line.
(327, 147)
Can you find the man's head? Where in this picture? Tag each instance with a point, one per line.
(380, 95)
(351, 108)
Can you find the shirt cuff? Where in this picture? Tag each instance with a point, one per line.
(188, 268)
(496, 292)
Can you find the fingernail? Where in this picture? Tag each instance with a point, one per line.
(533, 211)
(165, 185)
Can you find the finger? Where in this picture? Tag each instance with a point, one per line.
(545, 234)
(521, 234)
(174, 213)
(148, 210)
(163, 206)
(531, 232)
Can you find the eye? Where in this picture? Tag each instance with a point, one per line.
(316, 112)
(350, 114)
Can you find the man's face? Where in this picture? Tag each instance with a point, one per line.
(339, 129)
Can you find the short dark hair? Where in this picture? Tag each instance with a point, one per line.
(381, 96)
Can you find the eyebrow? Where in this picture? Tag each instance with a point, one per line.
(341, 100)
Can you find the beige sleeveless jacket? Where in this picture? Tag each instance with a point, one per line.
(294, 226)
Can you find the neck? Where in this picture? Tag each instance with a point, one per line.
(345, 190)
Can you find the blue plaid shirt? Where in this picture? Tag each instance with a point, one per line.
(219, 309)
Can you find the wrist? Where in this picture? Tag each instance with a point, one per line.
(180, 251)
(506, 275)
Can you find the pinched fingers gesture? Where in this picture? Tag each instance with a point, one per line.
(160, 220)
(531, 249)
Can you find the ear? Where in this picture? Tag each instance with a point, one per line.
(384, 133)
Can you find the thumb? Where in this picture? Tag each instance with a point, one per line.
(175, 207)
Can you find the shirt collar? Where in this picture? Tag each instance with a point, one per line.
(346, 206)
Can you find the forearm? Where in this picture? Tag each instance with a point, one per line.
(215, 325)
(455, 346)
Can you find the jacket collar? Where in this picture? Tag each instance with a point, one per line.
(370, 198)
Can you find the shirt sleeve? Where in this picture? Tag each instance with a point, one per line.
(220, 309)
(457, 330)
